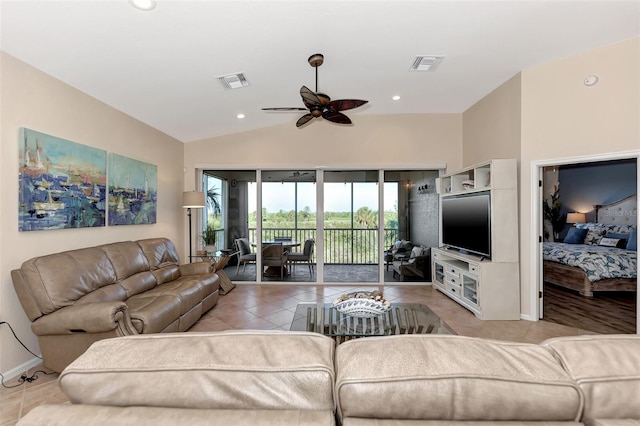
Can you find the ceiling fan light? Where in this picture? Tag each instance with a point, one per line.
(145, 5)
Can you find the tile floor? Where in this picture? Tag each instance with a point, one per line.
(272, 307)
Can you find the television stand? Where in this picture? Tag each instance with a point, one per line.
(488, 289)
(488, 284)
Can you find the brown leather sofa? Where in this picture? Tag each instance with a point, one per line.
(78, 297)
(298, 378)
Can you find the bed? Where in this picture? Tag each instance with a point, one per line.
(590, 267)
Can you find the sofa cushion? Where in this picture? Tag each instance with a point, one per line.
(351, 421)
(127, 258)
(139, 283)
(58, 280)
(424, 377)
(188, 290)
(607, 369)
(108, 293)
(74, 415)
(223, 370)
(160, 252)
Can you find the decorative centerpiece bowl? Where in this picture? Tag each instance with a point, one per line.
(362, 304)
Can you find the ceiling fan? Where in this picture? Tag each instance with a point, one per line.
(320, 104)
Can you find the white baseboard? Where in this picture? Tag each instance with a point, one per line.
(528, 317)
(14, 372)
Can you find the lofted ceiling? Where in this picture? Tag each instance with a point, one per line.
(161, 66)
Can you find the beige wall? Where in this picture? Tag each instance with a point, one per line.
(35, 100)
(491, 127)
(559, 117)
(563, 118)
(373, 141)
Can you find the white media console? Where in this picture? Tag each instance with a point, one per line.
(490, 288)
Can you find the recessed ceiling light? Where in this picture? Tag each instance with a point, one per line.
(396, 98)
(591, 80)
(143, 4)
(240, 116)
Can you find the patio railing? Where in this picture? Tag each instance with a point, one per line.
(351, 246)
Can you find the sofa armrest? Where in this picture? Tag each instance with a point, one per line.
(96, 317)
(195, 268)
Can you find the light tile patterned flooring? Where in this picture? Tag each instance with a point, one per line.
(270, 307)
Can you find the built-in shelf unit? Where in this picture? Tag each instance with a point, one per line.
(489, 287)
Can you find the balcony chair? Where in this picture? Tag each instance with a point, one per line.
(305, 256)
(244, 253)
(274, 256)
(417, 265)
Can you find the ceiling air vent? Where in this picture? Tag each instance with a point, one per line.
(233, 81)
(426, 63)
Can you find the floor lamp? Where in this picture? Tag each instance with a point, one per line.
(192, 200)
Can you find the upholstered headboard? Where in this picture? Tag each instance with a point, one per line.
(621, 212)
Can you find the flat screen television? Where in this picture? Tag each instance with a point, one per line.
(466, 223)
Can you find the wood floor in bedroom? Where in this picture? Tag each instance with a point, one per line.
(605, 313)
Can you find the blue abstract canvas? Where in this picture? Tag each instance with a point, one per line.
(132, 191)
(62, 184)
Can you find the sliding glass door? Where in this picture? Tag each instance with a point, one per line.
(351, 200)
(411, 219)
(347, 221)
(227, 211)
(288, 225)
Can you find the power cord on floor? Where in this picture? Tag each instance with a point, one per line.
(24, 378)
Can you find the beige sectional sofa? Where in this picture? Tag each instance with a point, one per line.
(298, 378)
(77, 297)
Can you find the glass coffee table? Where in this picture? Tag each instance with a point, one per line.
(402, 318)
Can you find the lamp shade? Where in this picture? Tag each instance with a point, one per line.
(576, 218)
(193, 199)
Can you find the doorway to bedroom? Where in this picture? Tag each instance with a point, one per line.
(589, 257)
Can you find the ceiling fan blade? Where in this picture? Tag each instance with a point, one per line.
(309, 98)
(285, 109)
(304, 120)
(344, 104)
(336, 117)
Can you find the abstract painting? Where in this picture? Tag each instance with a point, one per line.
(132, 191)
(62, 184)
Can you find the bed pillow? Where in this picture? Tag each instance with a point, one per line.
(575, 236)
(622, 236)
(619, 235)
(632, 244)
(594, 235)
(595, 231)
(613, 242)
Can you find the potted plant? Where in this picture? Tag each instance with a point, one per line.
(209, 239)
(551, 208)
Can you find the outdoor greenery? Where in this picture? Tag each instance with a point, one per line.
(347, 239)
(214, 210)
(364, 218)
